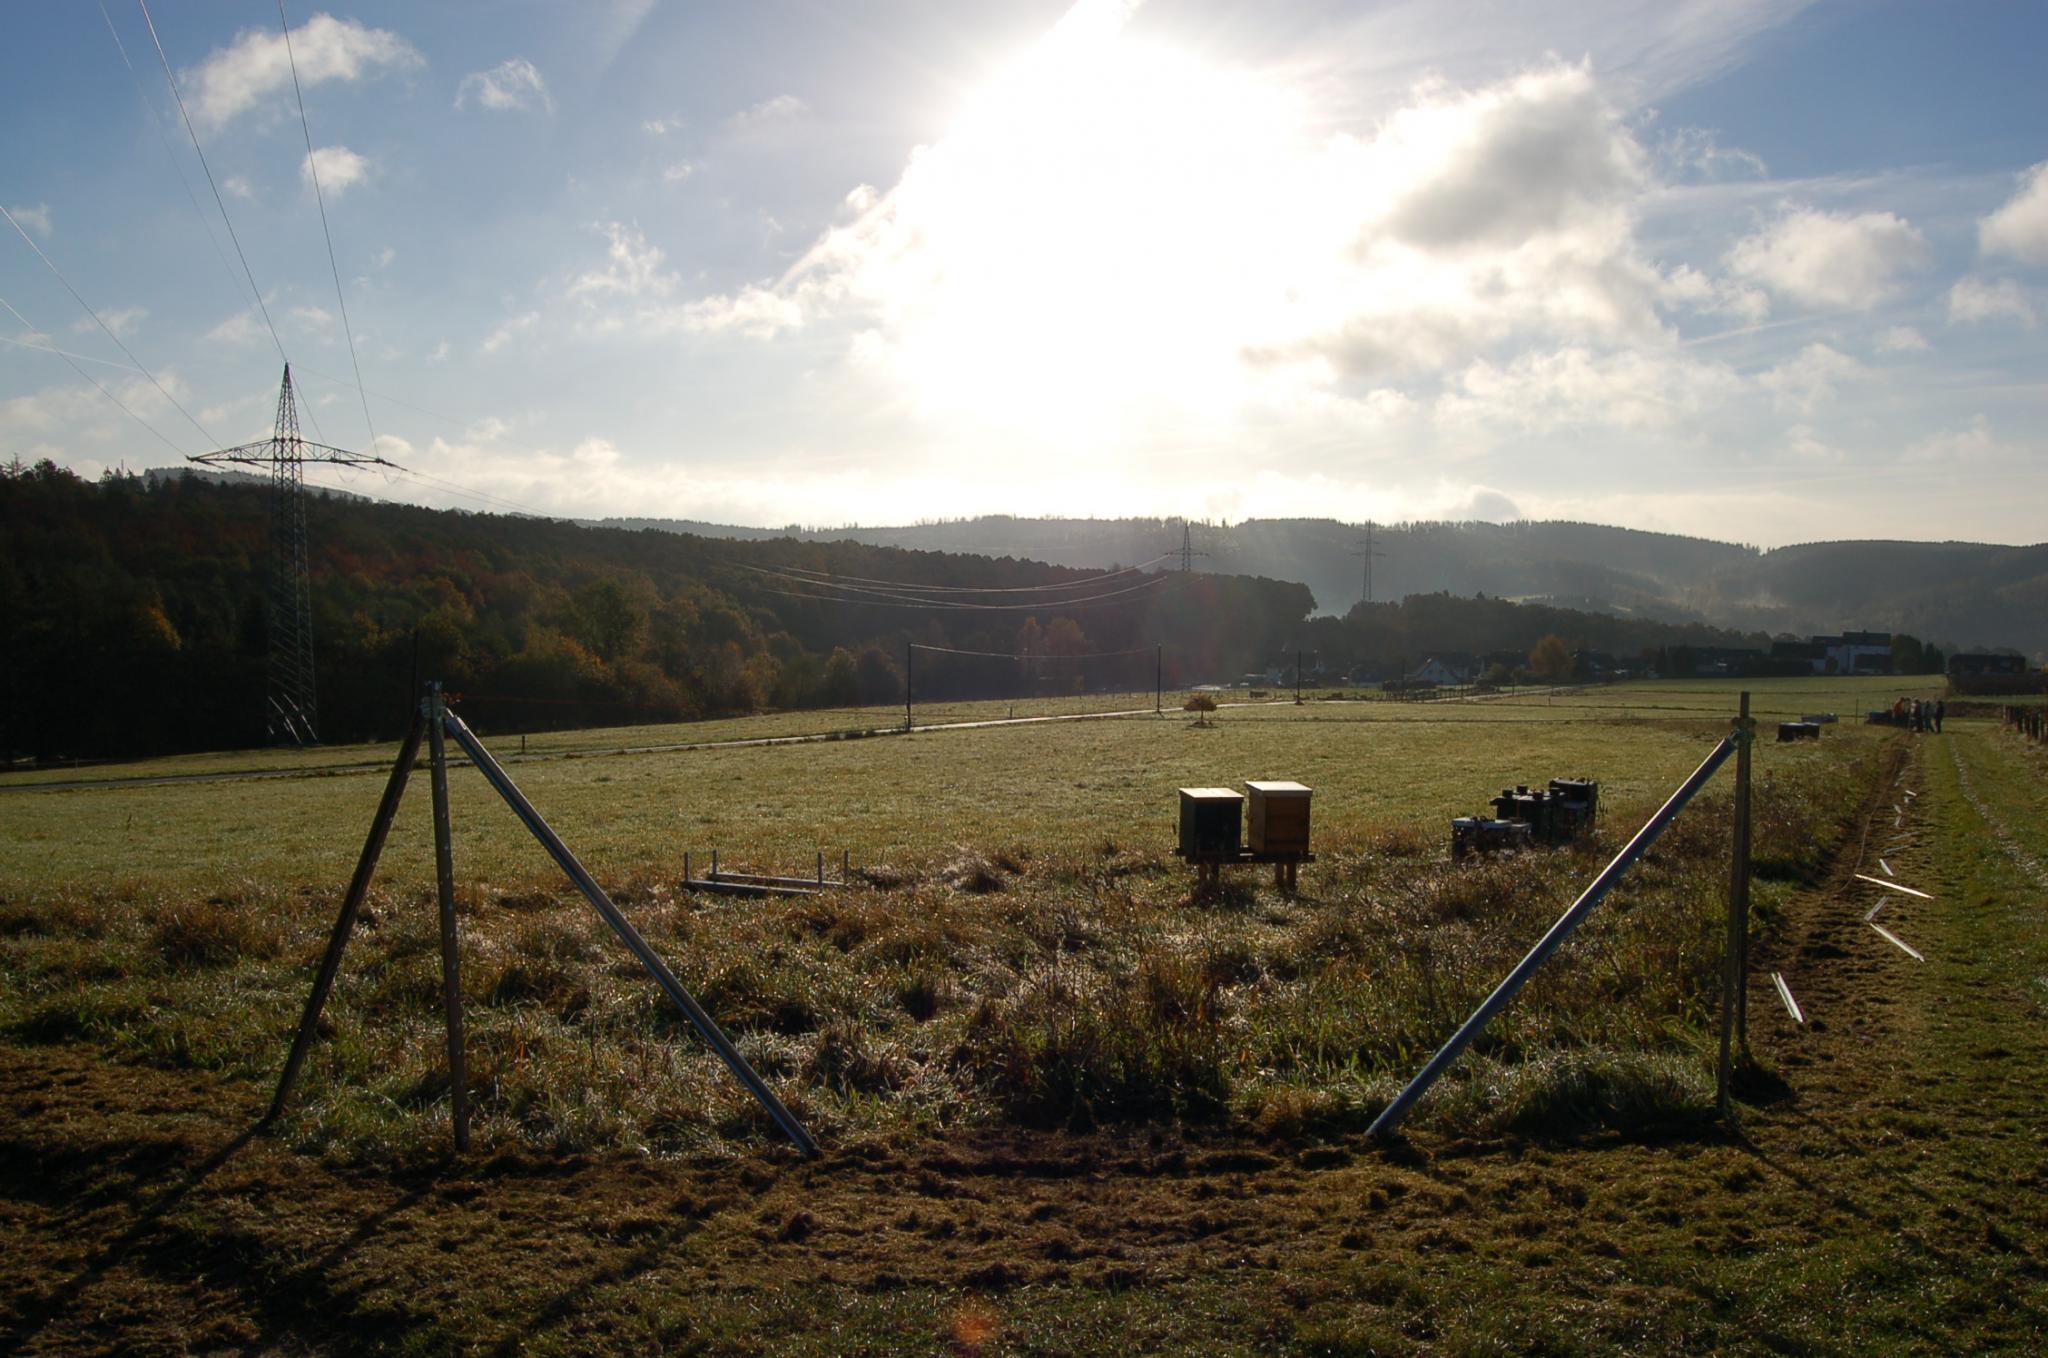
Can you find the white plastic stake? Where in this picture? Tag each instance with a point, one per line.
(1896, 941)
(1887, 868)
(1892, 886)
(1785, 994)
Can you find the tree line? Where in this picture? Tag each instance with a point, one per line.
(134, 619)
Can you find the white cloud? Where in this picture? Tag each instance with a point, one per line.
(313, 317)
(634, 269)
(123, 321)
(1809, 380)
(2019, 229)
(383, 258)
(440, 353)
(36, 219)
(782, 108)
(514, 83)
(1901, 339)
(1130, 231)
(1688, 287)
(758, 313)
(234, 186)
(338, 168)
(1973, 442)
(678, 172)
(244, 327)
(1576, 388)
(1974, 299)
(1804, 444)
(1822, 259)
(661, 127)
(255, 66)
(509, 330)
(1696, 153)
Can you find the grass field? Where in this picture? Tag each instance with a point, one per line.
(1067, 1104)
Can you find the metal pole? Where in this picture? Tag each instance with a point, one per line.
(1739, 892)
(909, 670)
(351, 904)
(1391, 1116)
(1159, 679)
(1735, 960)
(574, 870)
(444, 876)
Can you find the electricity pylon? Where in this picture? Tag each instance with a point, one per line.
(1368, 551)
(291, 707)
(1187, 548)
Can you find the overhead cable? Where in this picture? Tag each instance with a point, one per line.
(156, 120)
(1113, 599)
(1040, 655)
(219, 202)
(66, 353)
(857, 594)
(52, 266)
(831, 577)
(313, 173)
(161, 438)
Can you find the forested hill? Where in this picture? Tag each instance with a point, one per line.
(133, 619)
(1968, 595)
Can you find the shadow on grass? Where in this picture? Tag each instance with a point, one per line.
(36, 1318)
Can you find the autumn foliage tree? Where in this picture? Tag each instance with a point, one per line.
(1550, 659)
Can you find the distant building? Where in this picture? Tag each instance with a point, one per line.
(1725, 660)
(1452, 667)
(1973, 664)
(1861, 652)
(1849, 653)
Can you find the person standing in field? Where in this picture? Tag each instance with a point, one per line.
(1940, 711)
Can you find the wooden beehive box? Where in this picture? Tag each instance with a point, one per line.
(1279, 817)
(1210, 821)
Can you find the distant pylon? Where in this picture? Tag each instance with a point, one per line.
(1368, 551)
(1187, 548)
(291, 706)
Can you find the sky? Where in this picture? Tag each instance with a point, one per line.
(1759, 272)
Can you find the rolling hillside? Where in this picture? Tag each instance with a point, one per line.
(1967, 595)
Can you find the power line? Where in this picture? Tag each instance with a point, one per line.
(64, 353)
(51, 265)
(1113, 600)
(832, 577)
(856, 595)
(313, 173)
(1034, 655)
(303, 371)
(156, 120)
(95, 381)
(218, 201)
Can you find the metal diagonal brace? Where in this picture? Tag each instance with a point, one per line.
(575, 871)
(351, 905)
(1391, 1116)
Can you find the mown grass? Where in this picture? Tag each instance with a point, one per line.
(1022, 951)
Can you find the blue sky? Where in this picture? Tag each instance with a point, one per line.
(1761, 272)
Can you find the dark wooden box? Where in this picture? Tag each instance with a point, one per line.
(1210, 821)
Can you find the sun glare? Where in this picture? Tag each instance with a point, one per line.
(1094, 242)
